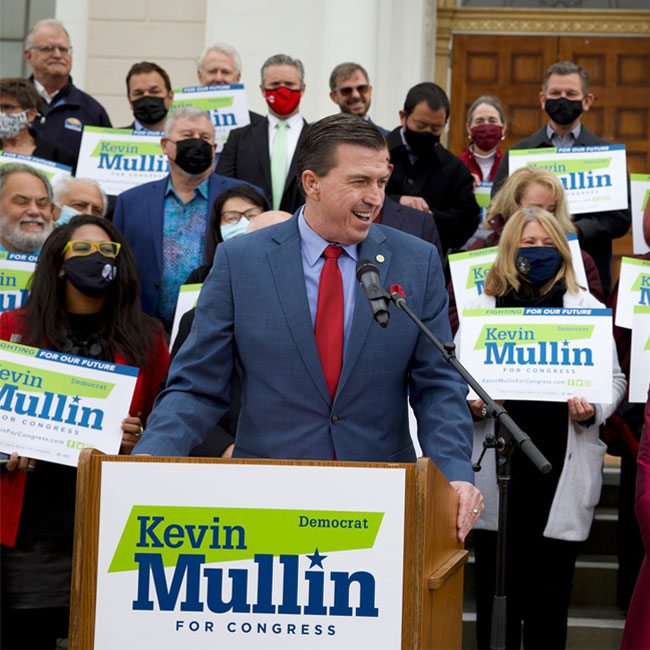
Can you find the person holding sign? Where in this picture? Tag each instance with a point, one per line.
(564, 97)
(528, 187)
(19, 104)
(548, 515)
(84, 301)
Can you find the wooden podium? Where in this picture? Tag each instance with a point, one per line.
(433, 558)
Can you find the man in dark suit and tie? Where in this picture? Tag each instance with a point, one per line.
(166, 221)
(320, 379)
(264, 153)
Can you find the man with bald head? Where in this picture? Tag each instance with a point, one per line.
(66, 109)
(74, 196)
(25, 209)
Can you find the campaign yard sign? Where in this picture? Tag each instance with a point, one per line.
(640, 355)
(595, 178)
(119, 159)
(249, 556)
(633, 289)
(539, 354)
(469, 270)
(187, 297)
(54, 172)
(226, 106)
(640, 202)
(53, 405)
(16, 270)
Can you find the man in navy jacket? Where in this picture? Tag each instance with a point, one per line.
(66, 109)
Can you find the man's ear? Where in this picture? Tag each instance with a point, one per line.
(587, 101)
(311, 185)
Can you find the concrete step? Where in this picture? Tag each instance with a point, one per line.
(602, 536)
(611, 481)
(594, 628)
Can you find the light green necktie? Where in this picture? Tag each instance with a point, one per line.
(279, 163)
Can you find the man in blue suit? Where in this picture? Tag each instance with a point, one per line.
(166, 221)
(260, 304)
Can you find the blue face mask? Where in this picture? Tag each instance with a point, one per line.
(66, 214)
(538, 263)
(230, 230)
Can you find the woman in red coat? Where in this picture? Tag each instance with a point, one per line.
(637, 625)
(85, 301)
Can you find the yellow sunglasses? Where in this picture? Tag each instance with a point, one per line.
(80, 247)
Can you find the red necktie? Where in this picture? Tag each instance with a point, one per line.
(329, 318)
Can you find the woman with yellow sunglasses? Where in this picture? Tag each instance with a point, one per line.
(84, 300)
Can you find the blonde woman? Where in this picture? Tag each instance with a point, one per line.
(548, 515)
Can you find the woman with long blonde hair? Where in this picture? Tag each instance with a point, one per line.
(548, 514)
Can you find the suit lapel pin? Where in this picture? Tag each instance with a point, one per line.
(380, 258)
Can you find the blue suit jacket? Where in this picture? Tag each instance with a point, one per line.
(139, 215)
(254, 305)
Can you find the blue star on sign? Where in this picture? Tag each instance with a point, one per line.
(76, 399)
(316, 559)
(565, 343)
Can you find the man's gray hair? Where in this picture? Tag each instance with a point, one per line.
(564, 68)
(189, 112)
(345, 70)
(283, 59)
(18, 168)
(48, 22)
(221, 47)
(63, 187)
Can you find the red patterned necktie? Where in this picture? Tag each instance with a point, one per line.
(329, 318)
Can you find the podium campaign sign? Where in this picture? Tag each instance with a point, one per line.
(52, 405)
(119, 159)
(226, 106)
(54, 172)
(595, 178)
(539, 354)
(16, 270)
(640, 202)
(235, 556)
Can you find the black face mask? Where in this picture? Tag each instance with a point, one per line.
(194, 155)
(563, 111)
(91, 274)
(422, 143)
(149, 110)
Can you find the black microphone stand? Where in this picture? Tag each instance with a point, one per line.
(510, 436)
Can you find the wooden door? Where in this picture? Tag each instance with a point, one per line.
(512, 68)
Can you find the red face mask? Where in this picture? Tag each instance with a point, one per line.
(486, 136)
(282, 101)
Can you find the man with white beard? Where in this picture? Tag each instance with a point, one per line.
(25, 209)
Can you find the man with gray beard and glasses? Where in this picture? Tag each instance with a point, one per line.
(25, 209)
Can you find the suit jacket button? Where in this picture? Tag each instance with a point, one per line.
(335, 419)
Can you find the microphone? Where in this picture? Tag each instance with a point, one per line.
(368, 277)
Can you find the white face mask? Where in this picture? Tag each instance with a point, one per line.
(11, 124)
(230, 230)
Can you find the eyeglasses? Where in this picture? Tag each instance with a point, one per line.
(49, 49)
(348, 90)
(232, 216)
(79, 247)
